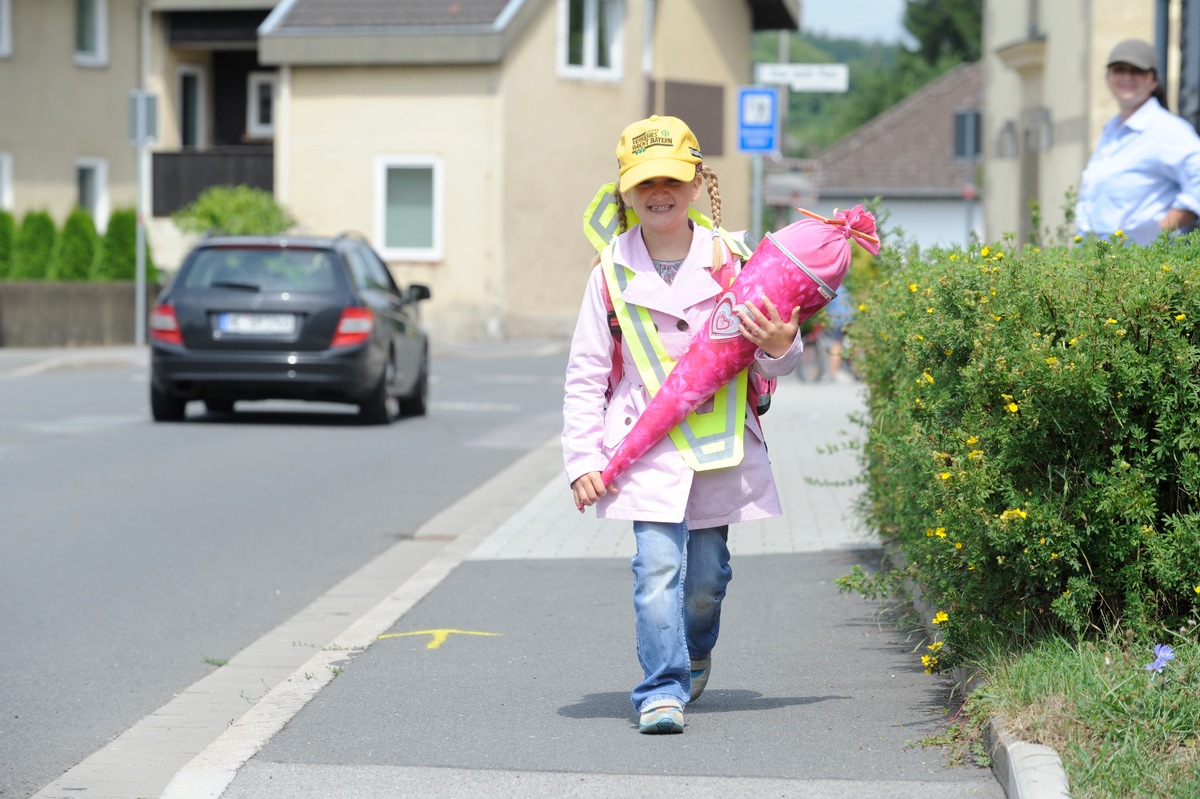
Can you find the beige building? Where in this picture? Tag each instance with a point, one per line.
(464, 139)
(1046, 99)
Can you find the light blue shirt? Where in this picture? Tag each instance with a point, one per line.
(1142, 168)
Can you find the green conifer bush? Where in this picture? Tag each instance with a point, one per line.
(33, 246)
(8, 231)
(75, 251)
(118, 250)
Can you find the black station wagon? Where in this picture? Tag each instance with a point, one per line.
(282, 317)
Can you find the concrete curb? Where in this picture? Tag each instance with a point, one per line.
(1025, 770)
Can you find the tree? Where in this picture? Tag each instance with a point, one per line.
(948, 32)
(235, 211)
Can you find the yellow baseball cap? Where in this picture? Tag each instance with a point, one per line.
(657, 147)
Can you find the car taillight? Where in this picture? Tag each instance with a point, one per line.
(354, 327)
(164, 326)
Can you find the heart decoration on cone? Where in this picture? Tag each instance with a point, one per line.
(725, 322)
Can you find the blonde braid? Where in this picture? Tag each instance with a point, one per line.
(714, 199)
(622, 218)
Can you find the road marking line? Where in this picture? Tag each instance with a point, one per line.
(438, 636)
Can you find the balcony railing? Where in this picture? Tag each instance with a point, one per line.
(180, 177)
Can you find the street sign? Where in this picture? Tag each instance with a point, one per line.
(759, 120)
(805, 77)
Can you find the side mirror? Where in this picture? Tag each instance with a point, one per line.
(418, 292)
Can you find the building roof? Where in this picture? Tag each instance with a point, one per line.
(334, 15)
(423, 31)
(908, 150)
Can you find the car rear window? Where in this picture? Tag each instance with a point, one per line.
(264, 269)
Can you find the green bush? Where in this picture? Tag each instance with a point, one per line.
(75, 252)
(234, 211)
(8, 231)
(33, 246)
(118, 250)
(1032, 445)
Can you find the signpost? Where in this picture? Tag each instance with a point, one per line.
(753, 107)
(759, 128)
(805, 77)
(143, 130)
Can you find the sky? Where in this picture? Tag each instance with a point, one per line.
(871, 20)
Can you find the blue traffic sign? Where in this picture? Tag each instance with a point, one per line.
(759, 120)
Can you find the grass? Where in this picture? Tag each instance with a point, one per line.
(1120, 729)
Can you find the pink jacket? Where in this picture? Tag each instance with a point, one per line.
(659, 486)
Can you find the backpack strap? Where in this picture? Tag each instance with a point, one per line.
(614, 327)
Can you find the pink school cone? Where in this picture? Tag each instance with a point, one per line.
(719, 351)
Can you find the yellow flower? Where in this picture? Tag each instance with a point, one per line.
(912, 287)
(1120, 234)
(1181, 317)
(1078, 239)
(1012, 407)
(940, 617)
(928, 310)
(862, 306)
(936, 646)
(1073, 342)
(1198, 589)
(958, 544)
(1051, 361)
(928, 378)
(944, 475)
(953, 256)
(975, 454)
(984, 252)
(1013, 513)
(972, 440)
(1110, 321)
(940, 532)
(1166, 268)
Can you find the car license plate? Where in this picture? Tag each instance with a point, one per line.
(257, 324)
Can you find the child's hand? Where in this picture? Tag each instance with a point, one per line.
(588, 488)
(769, 331)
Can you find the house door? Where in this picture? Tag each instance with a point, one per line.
(191, 108)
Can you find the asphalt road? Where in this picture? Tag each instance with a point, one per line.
(135, 556)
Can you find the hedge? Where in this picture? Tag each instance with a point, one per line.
(1031, 440)
(33, 246)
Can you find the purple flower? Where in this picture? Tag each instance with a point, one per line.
(1162, 655)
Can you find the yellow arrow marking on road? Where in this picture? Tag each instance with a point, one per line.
(439, 636)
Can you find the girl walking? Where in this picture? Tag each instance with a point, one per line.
(662, 277)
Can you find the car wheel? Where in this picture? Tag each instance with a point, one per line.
(416, 403)
(219, 406)
(164, 407)
(377, 408)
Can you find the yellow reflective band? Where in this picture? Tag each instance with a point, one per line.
(709, 440)
(600, 222)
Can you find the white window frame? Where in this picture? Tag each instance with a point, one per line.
(100, 167)
(255, 127)
(436, 252)
(196, 71)
(6, 182)
(589, 69)
(98, 57)
(5, 28)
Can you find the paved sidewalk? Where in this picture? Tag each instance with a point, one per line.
(503, 667)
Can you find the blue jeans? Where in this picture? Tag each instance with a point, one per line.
(679, 579)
